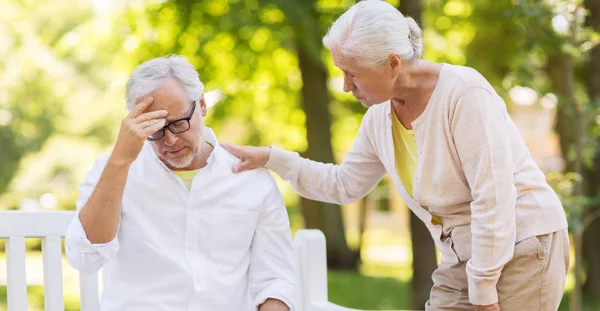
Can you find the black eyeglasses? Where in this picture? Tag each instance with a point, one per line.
(176, 127)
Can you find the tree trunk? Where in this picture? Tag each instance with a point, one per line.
(423, 249)
(364, 209)
(424, 262)
(569, 126)
(560, 72)
(591, 235)
(315, 102)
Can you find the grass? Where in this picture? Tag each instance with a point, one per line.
(382, 283)
(589, 304)
(35, 299)
(35, 291)
(349, 289)
(353, 290)
(358, 291)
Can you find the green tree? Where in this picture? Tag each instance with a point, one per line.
(33, 106)
(303, 17)
(591, 253)
(562, 43)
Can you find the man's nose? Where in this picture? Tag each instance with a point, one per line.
(170, 139)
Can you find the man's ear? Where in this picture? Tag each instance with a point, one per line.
(203, 107)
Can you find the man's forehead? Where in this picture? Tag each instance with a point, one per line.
(175, 109)
(170, 96)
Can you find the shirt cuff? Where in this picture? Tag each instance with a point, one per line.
(482, 291)
(281, 161)
(279, 291)
(79, 242)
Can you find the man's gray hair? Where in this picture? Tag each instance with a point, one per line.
(371, 31)
(150, 76)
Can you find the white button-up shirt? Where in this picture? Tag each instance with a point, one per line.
(224, 245)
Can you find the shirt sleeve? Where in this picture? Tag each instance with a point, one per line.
(272, 261)
(479, 128)
(81, 253)
(346, 183)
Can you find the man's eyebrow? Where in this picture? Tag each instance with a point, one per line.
(170, 118)
(173, 118)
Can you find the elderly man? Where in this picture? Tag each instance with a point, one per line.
(172, 227)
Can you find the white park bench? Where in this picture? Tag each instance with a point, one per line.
(15, 226)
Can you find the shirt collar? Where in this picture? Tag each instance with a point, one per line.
(211, 138)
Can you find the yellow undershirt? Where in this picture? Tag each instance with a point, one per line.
(187, 177)
(407, 155)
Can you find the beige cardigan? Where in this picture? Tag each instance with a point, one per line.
(474, 172)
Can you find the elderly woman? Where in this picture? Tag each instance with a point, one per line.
(456, 158)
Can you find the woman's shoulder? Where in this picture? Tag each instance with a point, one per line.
(461, 78)
(458, 83)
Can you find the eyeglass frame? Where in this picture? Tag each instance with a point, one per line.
(187, 119)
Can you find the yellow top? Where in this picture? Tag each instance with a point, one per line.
(407, 155)
(187, 177)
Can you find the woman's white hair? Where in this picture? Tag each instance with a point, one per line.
(371, 31)
(150, 76)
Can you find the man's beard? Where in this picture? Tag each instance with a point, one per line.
(183, 161)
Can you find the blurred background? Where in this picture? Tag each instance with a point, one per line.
(268, 79)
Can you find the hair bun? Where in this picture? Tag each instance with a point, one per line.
(414, 36)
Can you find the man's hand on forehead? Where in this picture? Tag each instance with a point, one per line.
(136, 127)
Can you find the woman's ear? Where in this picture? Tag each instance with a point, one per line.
(394, 64)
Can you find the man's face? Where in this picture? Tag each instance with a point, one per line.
(178, 151)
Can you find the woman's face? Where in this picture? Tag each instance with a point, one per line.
(370, 85)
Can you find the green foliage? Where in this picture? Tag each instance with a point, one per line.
(66, 64)
(244, 49)
(564, 184)
(353, 290)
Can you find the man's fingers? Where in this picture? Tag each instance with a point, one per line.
(153, 126)
(146, 124)
(140, 107)
(152, 115)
